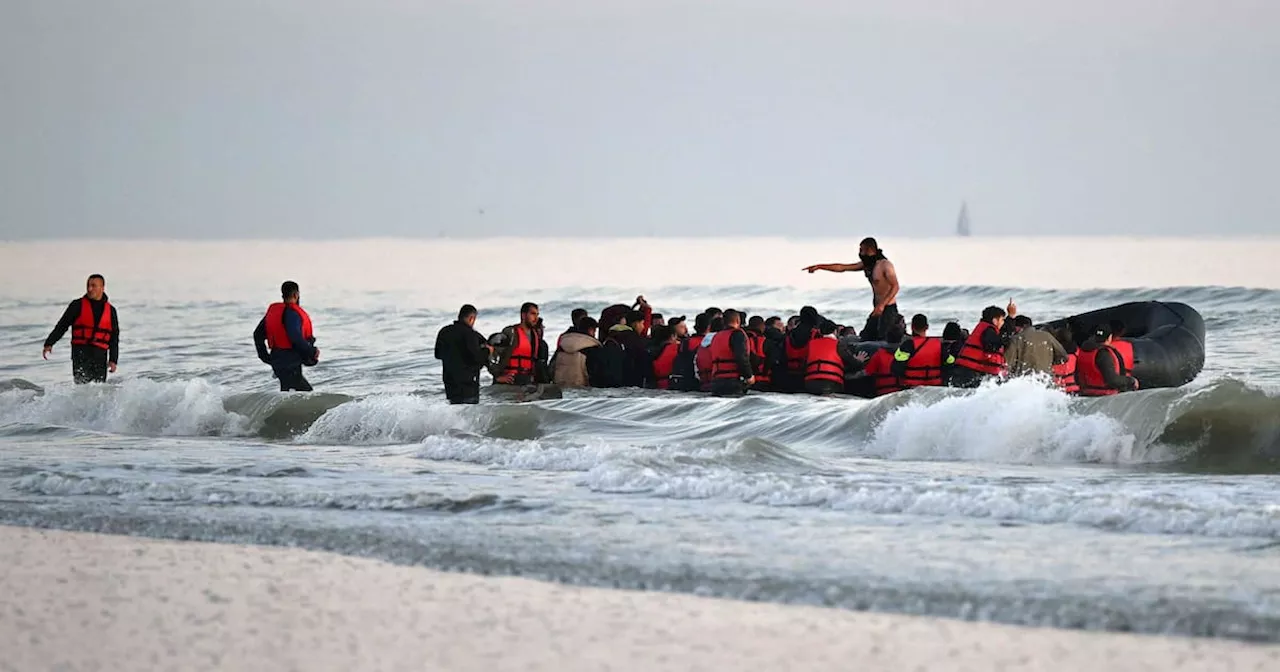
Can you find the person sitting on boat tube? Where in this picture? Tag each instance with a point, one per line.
(521, 356)
(982, 355)
(730, 358)
(1099, 367)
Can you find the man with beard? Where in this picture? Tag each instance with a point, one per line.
(884, 287)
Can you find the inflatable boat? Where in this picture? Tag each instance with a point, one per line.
(1168, 339)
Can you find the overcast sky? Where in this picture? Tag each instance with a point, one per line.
(319, 118)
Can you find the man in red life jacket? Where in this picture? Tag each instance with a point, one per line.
(824, 368)
(664, 349)
(1122, 345)
(919, 360)
(1064, 373)
(795, 351)
(982, 355)
(284, 340)
(884, 287)
(878, 373)
(755, 340)
(684, 373)
(1099, 368)
(95, 334)
(522, 359)
(731, 358)
(703, 359)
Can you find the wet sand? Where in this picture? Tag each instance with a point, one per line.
(78, 601)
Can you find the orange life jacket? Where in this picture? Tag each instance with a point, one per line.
(523, 354)
(277, 336)
(924, 368)
(1125, 349)
(1089, 376)
(1064, 375)
(723, 364)
(824, 361)
(664, 364)
(974, 358)
(85, 332)
(880, 370)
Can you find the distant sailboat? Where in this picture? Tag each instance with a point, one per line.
(962, 224)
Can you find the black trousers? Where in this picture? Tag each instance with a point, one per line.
(465, 392)
(728, 387)
(877, 327)
(292, 379)
(823, 387)
(88, 364)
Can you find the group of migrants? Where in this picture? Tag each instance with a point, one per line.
(725, 352)
(728, 353)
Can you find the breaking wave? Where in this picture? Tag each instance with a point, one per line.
(1225, 425)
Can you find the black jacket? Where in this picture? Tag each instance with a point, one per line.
(69, 317)
(625, 360)
(458, 347)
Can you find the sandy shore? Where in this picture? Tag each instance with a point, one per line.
(76, 601)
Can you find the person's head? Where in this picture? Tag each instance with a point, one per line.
(1117, 328)
(713, 312)
(827, 328)
(1102, 334)
(635, 320)
(732, 319)
(895, 334)
(774, 322)
(588, 325)
(95, 286)
(529, 315)
(1021, 322)
(662, 334)
(701, 323)
(289, 292)
(809, 315)
(793, 322)
(952, 332)
(717, 323)
(868, 247)
(467, 315)
(919, 325)
(576, 316)
(756, 324)
(994, 315)
(678, 326)
(657, 320)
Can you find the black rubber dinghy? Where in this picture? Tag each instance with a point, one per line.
(1168, 339)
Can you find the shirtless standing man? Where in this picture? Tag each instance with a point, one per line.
(884, 287)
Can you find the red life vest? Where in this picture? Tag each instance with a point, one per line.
(1125, 349)
(664, 364)
(523, 354)
(723, 364)
(1064, 375)
(1089, 376)
(974, 358)
(824, 361)
(924, 368)
(880, 370)
(277, 337)
(756, 343)
(85, 332)
(798, 358)
(702, 361)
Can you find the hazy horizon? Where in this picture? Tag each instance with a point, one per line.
(149, 119)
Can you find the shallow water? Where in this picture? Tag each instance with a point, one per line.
(1156, 511)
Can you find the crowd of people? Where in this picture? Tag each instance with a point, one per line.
(723, 352)
(728, 353)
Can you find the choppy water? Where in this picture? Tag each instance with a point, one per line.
(1157, 511)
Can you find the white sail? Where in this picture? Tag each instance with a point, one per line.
(962, 224)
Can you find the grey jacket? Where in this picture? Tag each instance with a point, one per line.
(1033, 351)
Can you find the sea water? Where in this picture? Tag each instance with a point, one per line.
(1157, 511)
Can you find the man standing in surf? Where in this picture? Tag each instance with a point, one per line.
(884, 287)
